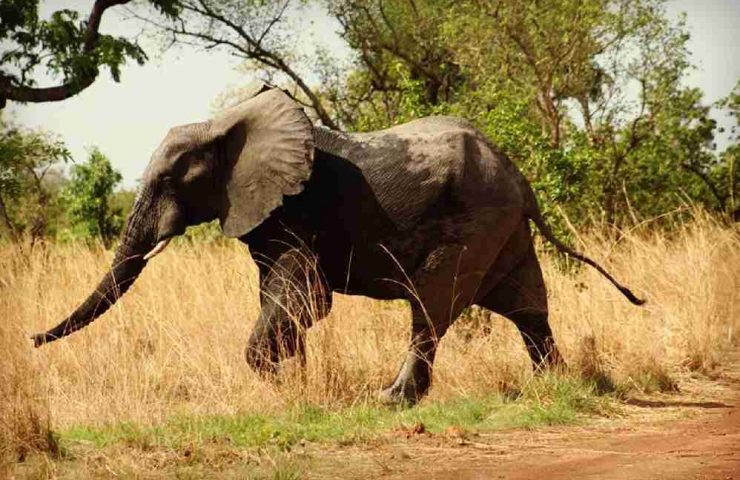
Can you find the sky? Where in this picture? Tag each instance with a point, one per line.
(127, 120)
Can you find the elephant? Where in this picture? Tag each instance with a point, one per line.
(429, 211)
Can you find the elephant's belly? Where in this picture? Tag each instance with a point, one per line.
(380, 268)
(369, 271)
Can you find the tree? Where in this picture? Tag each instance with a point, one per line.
(404, 64)
(723, 177)
(66, 46)
(88, 196)
(586, 96)
(254, 30)
(29, 180)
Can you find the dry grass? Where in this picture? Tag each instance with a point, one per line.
(174, 344)
(24, 415)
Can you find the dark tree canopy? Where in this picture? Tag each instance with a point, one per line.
(88, 196)
(29, 181)
(589, 97)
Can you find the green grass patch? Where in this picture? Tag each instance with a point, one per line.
(546, 400)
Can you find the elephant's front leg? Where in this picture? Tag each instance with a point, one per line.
(293, 296)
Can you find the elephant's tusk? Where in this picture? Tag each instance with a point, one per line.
(157, 249)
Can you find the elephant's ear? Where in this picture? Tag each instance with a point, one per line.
(268, 153)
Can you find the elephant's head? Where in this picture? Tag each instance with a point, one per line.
(235, 167)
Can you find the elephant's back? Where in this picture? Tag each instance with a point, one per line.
(395, 143)
(406, 167)
(429, 163)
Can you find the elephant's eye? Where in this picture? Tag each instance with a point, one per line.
(198, 171)
(166, 183)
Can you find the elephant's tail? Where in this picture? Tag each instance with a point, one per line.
(533, 212)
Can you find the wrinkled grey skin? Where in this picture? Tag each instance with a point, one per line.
(429, 211)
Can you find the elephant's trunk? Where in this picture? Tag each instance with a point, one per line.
(125, 269)
(127, 264)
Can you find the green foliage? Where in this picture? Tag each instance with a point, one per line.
(587, 97)
(88, 196)
(38, 199)
(724, 175)
(30, 178)
(406, 66)
(122, 201)
(205, 232)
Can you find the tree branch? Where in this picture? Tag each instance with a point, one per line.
(273, 22)
(12, 230)
(24, 93)
(721, 199)
(251, 49)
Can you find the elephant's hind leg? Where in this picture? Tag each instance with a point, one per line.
(293, 296)
(415, 375)
(522, 298)
(445, 284)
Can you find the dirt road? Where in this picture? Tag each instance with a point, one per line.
(693, 435)
(704, 448)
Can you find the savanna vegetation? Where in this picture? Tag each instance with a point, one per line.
(589, 97)
(150, 388)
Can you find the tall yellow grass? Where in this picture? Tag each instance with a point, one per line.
(175, 343)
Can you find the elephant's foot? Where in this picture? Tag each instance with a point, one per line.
(546, 357)
(411, 384)
(553, 359)
(399, 395)
(262, 362)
